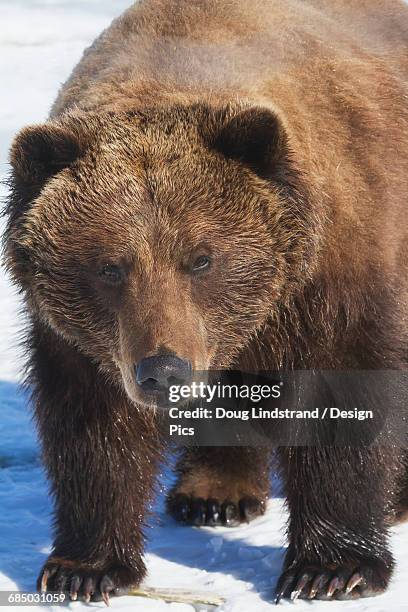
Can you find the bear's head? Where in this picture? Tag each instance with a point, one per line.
(158, 242)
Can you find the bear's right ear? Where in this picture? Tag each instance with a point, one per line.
(37, 154)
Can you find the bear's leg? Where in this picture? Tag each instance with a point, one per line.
(220, 486)
(401, 513)
(339, 500)
(100, 452)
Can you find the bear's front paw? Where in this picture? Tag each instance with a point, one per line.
(352, 580)
(87, 582)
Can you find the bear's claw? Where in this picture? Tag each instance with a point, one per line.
(80, 582)
(347, 582)
(198, 512)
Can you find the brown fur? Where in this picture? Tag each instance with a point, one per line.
(274, 137)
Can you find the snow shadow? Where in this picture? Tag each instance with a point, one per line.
(258, 566)
(24, 503)
(252, 553)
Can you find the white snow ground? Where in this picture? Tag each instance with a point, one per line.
(40, 41)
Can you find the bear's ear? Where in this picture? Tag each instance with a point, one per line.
(255, 137)
(37, 154)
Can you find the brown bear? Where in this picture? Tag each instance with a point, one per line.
(219, 185)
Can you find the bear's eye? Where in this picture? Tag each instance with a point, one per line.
(201, 263)
(111, 274)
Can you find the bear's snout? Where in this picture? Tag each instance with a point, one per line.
(157, 373)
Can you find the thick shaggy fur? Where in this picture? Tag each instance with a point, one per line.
(274, 137)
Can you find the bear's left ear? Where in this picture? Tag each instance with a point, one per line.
(255, 137)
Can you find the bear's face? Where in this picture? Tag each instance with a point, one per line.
(157, 233)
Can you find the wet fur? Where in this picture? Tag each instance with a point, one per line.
(150, 146)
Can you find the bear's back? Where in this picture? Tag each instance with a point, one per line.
(180, 50)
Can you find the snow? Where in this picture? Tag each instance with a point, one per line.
(40, 41)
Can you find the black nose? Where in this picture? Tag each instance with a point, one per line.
(159, 372)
